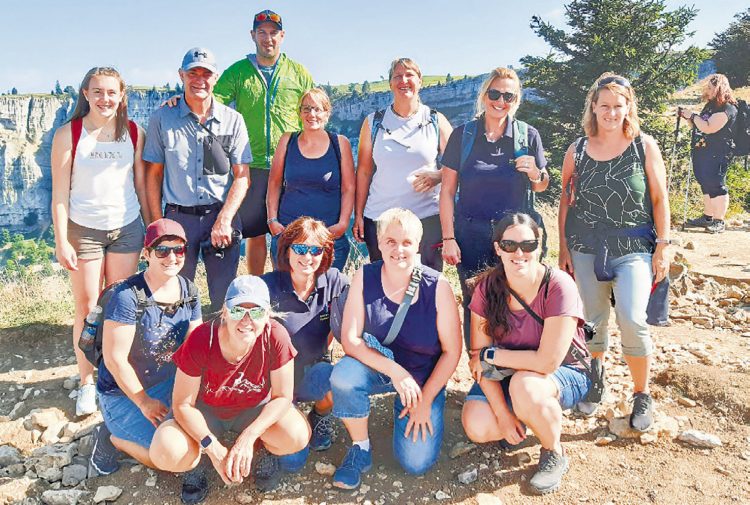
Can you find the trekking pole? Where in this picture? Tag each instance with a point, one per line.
(674, 148)
(687, 195)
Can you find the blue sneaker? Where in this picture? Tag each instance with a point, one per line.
(267, 472)
(356, 462)
(322, 430)
(104, 454)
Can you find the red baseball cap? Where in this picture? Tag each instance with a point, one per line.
(162, 228)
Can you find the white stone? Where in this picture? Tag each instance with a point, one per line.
(45, 418)
(488, 499)
(700, 439)
(326, 469)
(107, 493)
(461, 448)
(63, 497)
(468, 476)
(442, 495)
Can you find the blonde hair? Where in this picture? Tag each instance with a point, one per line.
(404, 218)
(82, 107)
(631, 126)
(407, 63)
(319, 96)
(722, 92)
(502, 73)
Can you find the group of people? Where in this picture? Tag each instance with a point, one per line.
(205, 176)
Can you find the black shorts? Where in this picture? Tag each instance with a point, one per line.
(253, 209)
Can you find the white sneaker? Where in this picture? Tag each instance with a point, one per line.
(86, 402)
(588, 409)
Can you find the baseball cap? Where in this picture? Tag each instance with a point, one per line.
(248, 289)
(162, 228)
(267, 16)
(199, 57)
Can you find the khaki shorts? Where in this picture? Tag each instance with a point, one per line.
(91, 244)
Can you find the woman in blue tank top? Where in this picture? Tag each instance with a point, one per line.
(424, 353)
(312, 174)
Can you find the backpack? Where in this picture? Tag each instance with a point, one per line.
(76, 127)
(92, 335)
(742, 129)
(377, 124)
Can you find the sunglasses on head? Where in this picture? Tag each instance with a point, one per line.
(303, 249)
(237, 312)
(495, 94)
(162, 251)
(511, 246)
(613, 79)
(264, 16)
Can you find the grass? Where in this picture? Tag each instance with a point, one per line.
(35, 298)
(380, 86)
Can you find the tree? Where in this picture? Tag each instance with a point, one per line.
(168, 87)
(58, 89)
(732, 46)
(448, 79)
(14, 91)
(366, 88)
(5, 237)
(71, 91)
(638, 39)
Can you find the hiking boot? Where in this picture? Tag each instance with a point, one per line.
(267, 472)
(587, 409)
(642, 416)
(716, 226)
(194, 486)
(356, 462)
(86, 401)
(322, 430)
(699, 222)
(104, 455)
(552, 467)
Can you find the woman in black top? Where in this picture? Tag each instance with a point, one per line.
(712, 147)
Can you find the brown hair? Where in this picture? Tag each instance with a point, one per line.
(722, 92)
(631, 127)
(82, 107)
(298, 231)
(502, 73)
(407, 63)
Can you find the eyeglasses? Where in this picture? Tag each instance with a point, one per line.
(613, 79)
(511, 246)
(162, 251)
(307, 109)
(303, 249)
(495, 94)
(237, 312)
(266, 16)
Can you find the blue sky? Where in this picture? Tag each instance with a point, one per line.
(339, 41)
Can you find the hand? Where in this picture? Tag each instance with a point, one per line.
(153, 410)
(527, 165)
(511, 429)
(358, 229)
(475, 365)
(685, 113)
(171, 101)
(221, 233)
(240, 458)
(564, 261)
(217, 453)
(276, 228)
(660, 261)
(425, 181)
(419, 420)
(66, 256)
(451, 252)
(337, 230)
(407, 388)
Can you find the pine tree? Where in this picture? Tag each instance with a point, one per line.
(732, 46)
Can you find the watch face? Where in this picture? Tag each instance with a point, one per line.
(490, 354)
(206, 441)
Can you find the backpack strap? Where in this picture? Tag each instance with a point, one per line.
(468, 137)
(133, 128)
(436, 124)
(193, 295)
(377, 124)
(403, 308)
(292, 136)
(638, 141)
(520, 138)
(581, 143)
(76, 126)
(336, 147)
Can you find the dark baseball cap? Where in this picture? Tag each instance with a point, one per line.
(267, 16)
(163, 228)
(199, 57)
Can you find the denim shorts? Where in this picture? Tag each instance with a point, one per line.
(125, 420)
(572, 384)
(315, 383)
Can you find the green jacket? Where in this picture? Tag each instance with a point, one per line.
(267, 115)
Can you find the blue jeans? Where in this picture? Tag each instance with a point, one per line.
(125, 420)
(352, 383)
(315, 383)
(631, 287)
(341, 249)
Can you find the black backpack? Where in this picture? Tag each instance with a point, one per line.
(93, 331)
(742, 129)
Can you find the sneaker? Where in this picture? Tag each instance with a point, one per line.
(322, 430)
(642, 416)
(86, 401)
(699, 222)
(104, 455)
(356, 462)
(194, 486)
(552, 467)
(716, 226)
(267, 472)
(587, 409)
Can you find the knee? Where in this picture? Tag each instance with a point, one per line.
(319, 379)
(524, 393)
(347, 376)
(477, 424)
(417, 462)
(172, 450)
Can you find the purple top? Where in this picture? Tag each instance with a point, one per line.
(562, 299)
(417, 346)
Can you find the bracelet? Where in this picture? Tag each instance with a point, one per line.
(271, 220)
(537, 181)
(448, 238)
(667, 241)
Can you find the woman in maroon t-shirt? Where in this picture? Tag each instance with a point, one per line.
(546, 378)
(235, 374)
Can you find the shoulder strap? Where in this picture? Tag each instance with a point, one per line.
(467, 140)
(520, 138)
(578, 156)
(436, 124)
(638, 141)
(526, 307)
(193, 295)
(398, 320)
(336, 147)
(377, 123)
(76, 126)
(133, 128)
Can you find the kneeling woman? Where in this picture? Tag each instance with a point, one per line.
(234, 373)
(547, 379)
(423, 355)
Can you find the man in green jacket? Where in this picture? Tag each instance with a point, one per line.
(265, 88)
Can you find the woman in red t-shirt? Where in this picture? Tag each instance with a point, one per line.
(235, 374)
(546, 378)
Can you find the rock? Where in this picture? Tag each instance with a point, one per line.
(50, 474)
(64, 497)
(107, 493)
(700, 439)
(702, 322)
(442, 495)
(326, 469)
(45, 418)
(72, 475)
(70, 383)
(16, 490)
(35, 435)
(27, 393)
(244, 498)
(648, 438)
(735, 293)
(523, 458)
(48, 461)
(488, 499)
(86, 445)
(690, 245)
(605, 440)
(151, 481)
(468, 476)
(686, 402)
(9, 455)
(13, 471)
(15, 413)
(461, 448)
(52, 434)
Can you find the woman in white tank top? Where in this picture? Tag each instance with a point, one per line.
(97, 184)
(404, 141)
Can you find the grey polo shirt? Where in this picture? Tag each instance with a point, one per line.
(175, 140)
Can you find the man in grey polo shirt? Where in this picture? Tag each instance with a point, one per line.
(198, 155)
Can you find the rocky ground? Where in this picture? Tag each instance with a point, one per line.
(697, 452)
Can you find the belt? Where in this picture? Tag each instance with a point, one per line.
(197, 210)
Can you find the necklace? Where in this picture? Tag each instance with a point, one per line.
(408, 116)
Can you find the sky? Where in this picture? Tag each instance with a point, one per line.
(338, 41)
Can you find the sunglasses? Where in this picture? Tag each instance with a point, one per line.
(265, 16)
(495, 94)
(511, 246)
(613, 79)
(237, 312)
(303, 249)
(162, 251)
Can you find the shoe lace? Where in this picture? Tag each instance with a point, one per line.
(267, 465)
(352, 455)
(323, 425)
(547, 461)
(641, 404)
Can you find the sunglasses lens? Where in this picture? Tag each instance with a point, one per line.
(529, 245)
(162, 251)
(303, 249)
(509, 246)
(493, 94)
(275, 18)
(261, 17)
(256, 313)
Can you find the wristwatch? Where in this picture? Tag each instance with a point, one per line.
(272, 220)
(487, 353)
(206, 441)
